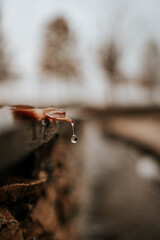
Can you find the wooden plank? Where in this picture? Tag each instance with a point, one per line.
(20, 137)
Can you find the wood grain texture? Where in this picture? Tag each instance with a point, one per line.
(19, 137)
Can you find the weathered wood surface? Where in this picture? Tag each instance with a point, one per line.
(37, 194)
(20, 137)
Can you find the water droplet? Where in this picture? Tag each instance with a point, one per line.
(46, 122)
(74, 137)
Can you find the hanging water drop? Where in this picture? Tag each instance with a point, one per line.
(74, 137)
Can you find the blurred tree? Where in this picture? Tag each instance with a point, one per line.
(4, 64)
(150, 77)
(57, 58)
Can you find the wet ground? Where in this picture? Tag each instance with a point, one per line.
(120, 194)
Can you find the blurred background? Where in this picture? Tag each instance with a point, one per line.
(100, 60)
(82, 52)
